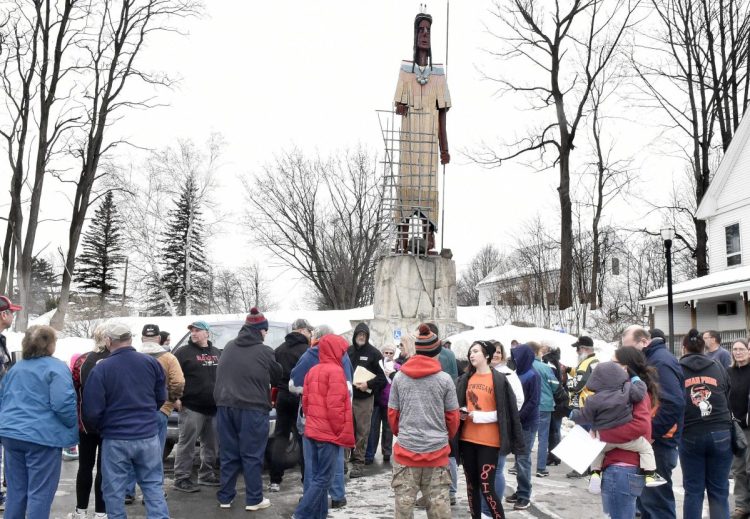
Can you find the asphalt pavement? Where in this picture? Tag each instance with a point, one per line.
(371, 497)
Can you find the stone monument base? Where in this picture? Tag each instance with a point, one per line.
(410, 290)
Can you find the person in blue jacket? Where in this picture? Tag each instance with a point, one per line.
(666, 425)
(38, 417)
(531, 382)
(121, 399)
(296, 382)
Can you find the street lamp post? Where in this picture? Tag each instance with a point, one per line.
(668, 235)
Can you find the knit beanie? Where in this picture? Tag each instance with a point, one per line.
(427, 343)
(256, 319)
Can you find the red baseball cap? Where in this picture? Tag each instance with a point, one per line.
(6, 304)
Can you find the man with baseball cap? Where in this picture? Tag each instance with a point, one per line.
(199, 360)
(119, 399)
(150, 338)
(7, 309)
(287, 355)
(578, 377)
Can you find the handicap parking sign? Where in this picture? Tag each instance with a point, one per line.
(397, 334)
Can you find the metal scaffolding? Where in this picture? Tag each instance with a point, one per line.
(410, 181)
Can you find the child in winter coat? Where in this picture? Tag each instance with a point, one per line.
(611, 405)
(329, 426)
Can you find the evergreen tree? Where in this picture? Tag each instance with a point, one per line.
(185, 268)
(102, 252)
(44, 286)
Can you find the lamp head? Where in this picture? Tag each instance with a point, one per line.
(667, 234)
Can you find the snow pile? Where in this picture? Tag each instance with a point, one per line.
(65, 349)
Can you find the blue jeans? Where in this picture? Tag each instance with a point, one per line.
(499, 483)
(545, 418)
(453, 469)
(621, 486)
(523, 462)
(705, 459)
(379, 421)
(162, 435)
(658, 502)
(33, 474)
(323, 457)
(243, 435)
(119, 458)
(338, 487)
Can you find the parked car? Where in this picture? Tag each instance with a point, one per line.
(221, 333)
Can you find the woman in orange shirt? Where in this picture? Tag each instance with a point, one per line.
(490, 426)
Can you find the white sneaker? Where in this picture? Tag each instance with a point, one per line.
(225, 505)
(274, 487)
(595, 483)
(78, 514)
(260, 506)
(100, 515)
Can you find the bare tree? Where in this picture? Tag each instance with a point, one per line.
(488, 259)
(121, 28)
(254, 288)
(605, 179)
(322, 218)
(144, 193)
(695, 69)
(537, 279)
(141, 201)
(41, 35)
(570, 42)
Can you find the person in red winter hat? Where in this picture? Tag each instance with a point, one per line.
(329, 425)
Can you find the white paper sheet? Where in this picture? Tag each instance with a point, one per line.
(578, 449)
(362, 375)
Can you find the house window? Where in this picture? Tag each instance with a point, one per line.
(615, 266)
(734, 250)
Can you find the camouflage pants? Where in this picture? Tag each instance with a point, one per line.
(434, 482)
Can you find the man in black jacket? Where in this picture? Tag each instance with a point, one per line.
(198, 360)
(287, 354)
(7, 309)
(364, 354)
(247, 371)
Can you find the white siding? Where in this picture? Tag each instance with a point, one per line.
(681, 319)
(737, 187)
(707, 316)
(485, 295)
(717, 249)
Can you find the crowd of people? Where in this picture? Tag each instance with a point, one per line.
(425, 410)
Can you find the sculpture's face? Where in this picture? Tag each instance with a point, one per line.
(423, 35)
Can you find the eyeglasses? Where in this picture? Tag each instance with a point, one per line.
(389, 352)
(740, 350)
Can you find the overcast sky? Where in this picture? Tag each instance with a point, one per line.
(271, 75)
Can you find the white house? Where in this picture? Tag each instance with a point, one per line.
(718, 301)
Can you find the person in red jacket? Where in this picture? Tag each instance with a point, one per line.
(621, 484)
(329, 424)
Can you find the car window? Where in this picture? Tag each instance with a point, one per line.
(222, 333)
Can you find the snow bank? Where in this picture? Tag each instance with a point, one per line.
(66, 346)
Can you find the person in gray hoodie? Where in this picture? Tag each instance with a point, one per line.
(247, 371)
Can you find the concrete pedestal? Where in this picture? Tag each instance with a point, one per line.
(410, 290)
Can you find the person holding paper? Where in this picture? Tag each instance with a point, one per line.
(364, 358)
(490, 426)
(610, 405)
